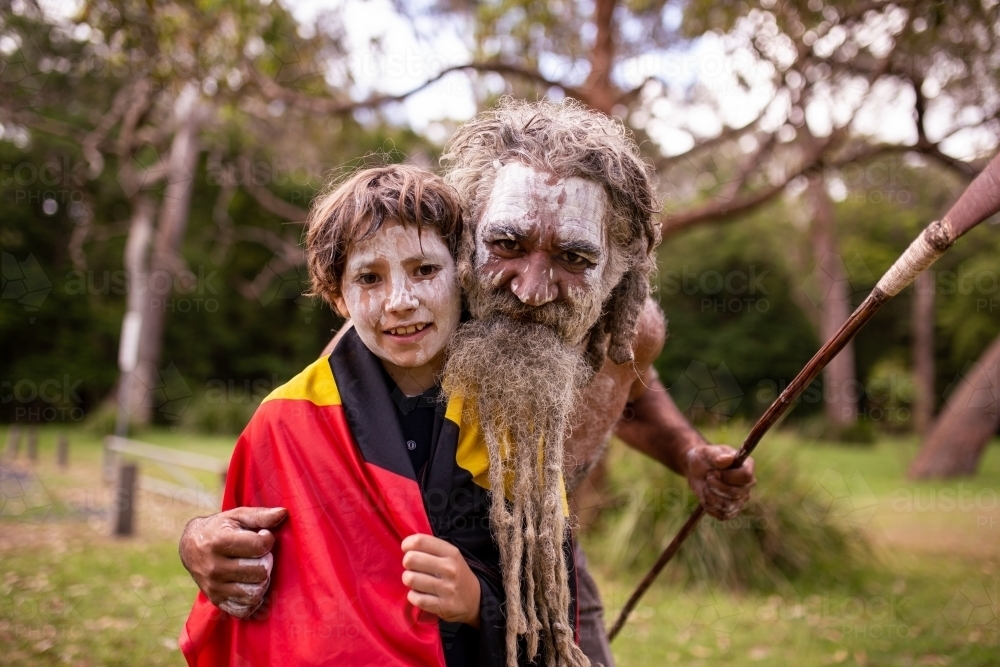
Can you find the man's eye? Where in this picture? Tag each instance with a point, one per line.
(507, 245)
(426, 270)
(367, 279)
(576, 261)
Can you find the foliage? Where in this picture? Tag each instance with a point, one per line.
(786, 533)
(737, 300)
(237, 316)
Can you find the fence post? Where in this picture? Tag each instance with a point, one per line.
(124, 500)
(13, 441)
(33, 444)
(62, 451)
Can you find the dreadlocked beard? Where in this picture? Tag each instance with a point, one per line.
(521, 381)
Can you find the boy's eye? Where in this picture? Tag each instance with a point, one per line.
(367, 279)
(426, 270)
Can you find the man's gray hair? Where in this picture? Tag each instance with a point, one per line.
(567, 139)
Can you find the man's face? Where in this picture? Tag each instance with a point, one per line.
(401, 292)
(541, 252)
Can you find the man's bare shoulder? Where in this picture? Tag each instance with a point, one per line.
(650, 336)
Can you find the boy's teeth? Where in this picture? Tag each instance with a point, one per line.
(401, 331)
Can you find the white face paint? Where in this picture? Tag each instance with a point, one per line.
(402, 294)
(542, 233)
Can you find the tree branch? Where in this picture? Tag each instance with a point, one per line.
(268, 200)
(723, 207)
(324, 105)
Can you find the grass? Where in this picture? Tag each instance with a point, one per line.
(69, 594)
(928, 596)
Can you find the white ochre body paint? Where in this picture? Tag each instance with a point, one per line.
(402, 294)
(551, 212)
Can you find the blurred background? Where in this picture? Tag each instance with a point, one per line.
(157, 162)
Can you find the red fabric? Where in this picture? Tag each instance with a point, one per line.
(336, 595)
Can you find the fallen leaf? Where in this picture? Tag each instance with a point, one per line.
(838, 657)
(700, 651)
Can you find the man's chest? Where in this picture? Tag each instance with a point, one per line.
(601, 405)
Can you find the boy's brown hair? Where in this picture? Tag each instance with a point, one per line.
(357, 208)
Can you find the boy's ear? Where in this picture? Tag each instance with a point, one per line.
(341, 307)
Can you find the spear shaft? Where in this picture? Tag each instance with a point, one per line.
(979, 201)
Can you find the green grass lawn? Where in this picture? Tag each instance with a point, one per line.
(70, 594)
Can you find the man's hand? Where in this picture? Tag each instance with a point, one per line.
(723, 493)
(439, 579)
(229, 556)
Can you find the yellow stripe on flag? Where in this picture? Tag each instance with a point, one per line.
(471, 452)
(314, 384)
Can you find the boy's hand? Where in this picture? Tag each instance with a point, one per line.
(439, 579)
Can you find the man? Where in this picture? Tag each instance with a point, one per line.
(556, 265)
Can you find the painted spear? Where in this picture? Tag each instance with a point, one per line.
(979, 201)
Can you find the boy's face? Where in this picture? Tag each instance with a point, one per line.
(402, 294)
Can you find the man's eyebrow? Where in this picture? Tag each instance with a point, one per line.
(580, 247)
(506, 230)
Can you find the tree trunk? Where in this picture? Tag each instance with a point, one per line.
(601, 93)
(923, 351)
(153, 302)
(969, 419)
(840, 385)
(136, 260)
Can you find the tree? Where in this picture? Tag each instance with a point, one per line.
(149, 89)
(956, 441)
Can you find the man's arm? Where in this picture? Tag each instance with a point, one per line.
(652, 424)
(225, 553)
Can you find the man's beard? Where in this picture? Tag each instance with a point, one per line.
(521, 380)
(570, 319)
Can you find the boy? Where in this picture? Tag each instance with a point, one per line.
(386, 487)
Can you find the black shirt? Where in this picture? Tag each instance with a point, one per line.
(416, 419)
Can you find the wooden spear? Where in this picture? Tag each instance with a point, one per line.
(979, 201)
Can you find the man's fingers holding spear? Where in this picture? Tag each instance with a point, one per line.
(721, 489)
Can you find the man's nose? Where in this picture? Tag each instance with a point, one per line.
(401, 297)
(535, 285)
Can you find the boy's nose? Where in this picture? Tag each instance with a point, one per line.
(402, 298)
(535, 285)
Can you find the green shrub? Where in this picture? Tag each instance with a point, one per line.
(221, 417)
(781, 536)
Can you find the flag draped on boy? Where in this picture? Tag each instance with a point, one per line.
(328, 447)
